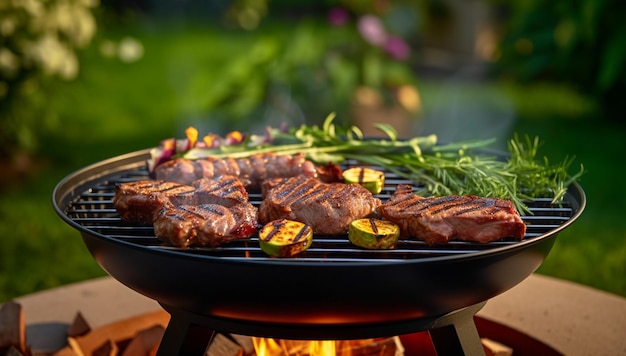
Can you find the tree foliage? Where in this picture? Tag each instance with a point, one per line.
(580, 42)
(39, 41)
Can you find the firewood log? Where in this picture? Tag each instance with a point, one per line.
(145, 341)
(79, 326)
(118, 331)
(12, 328)
(223, 346)
(494, 348)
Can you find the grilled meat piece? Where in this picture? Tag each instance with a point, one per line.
(139, 201)
(327, 207)
(438, 220)
(205, 225)
(252, 171)
(224, 190)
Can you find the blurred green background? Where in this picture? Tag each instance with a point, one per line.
(81, 81)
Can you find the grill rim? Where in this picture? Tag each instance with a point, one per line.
(77, 182)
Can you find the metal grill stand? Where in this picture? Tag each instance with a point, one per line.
(453, 333)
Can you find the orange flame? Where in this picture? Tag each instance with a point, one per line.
(276, 347)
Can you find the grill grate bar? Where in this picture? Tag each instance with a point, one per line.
(94, 210)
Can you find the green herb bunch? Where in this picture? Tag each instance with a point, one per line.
(463, 168)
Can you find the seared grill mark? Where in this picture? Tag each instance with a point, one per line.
(156, 186)
(460, 205)
(179, 213)
(186, 212)
(430, 203)
(149, 185)
(289, 194)
(338, 195)
(212, 209)
(224, 186)
(283, 194)
(373, 226)
(482, 205)
(173, 188)
(300, 189)
(275, 229)
(404, 201)
(300, 234)
(309, 193)
(449, 207)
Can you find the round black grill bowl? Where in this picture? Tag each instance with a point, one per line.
(332, 287)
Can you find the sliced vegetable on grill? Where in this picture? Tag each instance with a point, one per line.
(374, 233)
(285, 238)
(372, 179)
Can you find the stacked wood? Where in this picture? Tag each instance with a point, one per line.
(139, 336)
(142, 335)
(12, 330)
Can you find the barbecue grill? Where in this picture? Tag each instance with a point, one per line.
(334, 290)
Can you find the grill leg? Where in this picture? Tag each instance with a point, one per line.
(459, 338)
(184, 337)
(454, 333)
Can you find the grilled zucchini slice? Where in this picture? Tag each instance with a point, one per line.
(372, 179)
(374, 233)
(285, 238)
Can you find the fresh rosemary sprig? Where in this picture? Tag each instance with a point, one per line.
(463, 168)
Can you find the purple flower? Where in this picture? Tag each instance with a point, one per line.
(372, 30)
(337, 16)
(397, 48)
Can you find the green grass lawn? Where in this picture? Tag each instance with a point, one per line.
(593, 250)
(114, 108)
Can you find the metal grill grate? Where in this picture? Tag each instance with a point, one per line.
(93, 210)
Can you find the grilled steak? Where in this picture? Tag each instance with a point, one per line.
(438, 220)
(205, 224)
(327, 207)
(252, 171)
(139, 201)
(224, 190)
